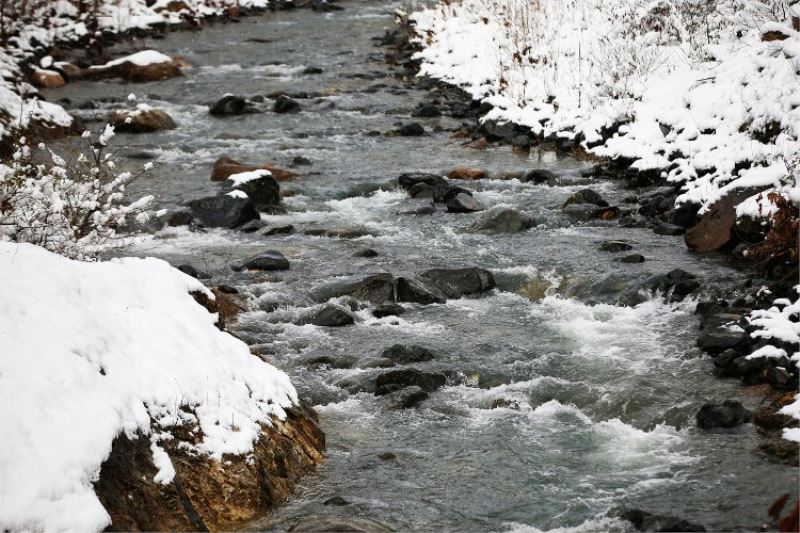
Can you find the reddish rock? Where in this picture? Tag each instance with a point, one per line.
(466, 173)
(773, 35)
(140, 120)
(715, 228)
(133, 72)
(47, 79)
(225, 167)
(479, 144)
(174, 6)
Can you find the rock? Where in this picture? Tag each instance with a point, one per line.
(230, 105)
(668, 229)
(366, 252)
(387, 456)
(633, 258)
(284, 104)
(413, 291)
(407, 377)
(334, 523)
(426, 110)
(780, 379)
(582, 211)
(375, 289)
(502, 403)
(223, 211)
(180, 218)
(644, 521)
(136, 68)
(502, 220)
(375, 362)
(340, 232)
(521, 142)
(586, 196)
(749, 371)
(189, 270)
(336, 500)
(466, 173)
(539, 176)
(332, 362)
(727, 415)
(455, 283)
(677, 284)
(268, 231)
(414, 129)
(615, 246)
(684, 214)
(717, 340)
(332, 316)
(715, 228)
(140, 120)
(499, 131)
(301, 160)
(409, 397)
(312, 70)
(268, 260)
(260, 187)
(404, 354)
(228, 494)
(225, 167)
(389, 309)
(463, 203)
(47, 79)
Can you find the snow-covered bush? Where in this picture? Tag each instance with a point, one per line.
(74, 209)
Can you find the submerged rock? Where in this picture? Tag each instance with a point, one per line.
(633, 258)
(231, 105)
(404, 354)
(458, 282)
(375, 289)
(539, 176)
(615, 246)
(268, 260)
(727, 415)
(676, 285)
(463, 203)
(414, 291)
(644, 521)
(388, 309)
(284, 104)
(409, 397)
(502, 220)
(414, 129)
(394, 380)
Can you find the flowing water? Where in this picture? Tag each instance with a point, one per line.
(605, 395)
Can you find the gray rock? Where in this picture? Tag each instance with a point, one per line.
(615, 246)
(404, 354)
(331, 316)
(392, 380)
(409, 397)
(223, 211)
(284, 104)
(586, 196)
(414, 291)
(267, 260)
(463, 203)
(376, 289)
(458, 282)
(727, 415)
(502, 220)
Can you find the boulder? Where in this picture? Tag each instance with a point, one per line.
(331, 316)
(426, 110)
(455, 283)
(375, 289)
(409, 397)
(47, 79)
(267, 260)
(411, 353)
(367, 253)
(393, 380)
(615, 246)
(727, 415)
(259, 186)
(502, 220)
(142, 120)
(467, 173)
(414, 129)
(223, 211)
(463, 203)
(539, 176)
(414, 291)
(715, 229)
(230, 105)
(684, 214)
(189, 270)
(144, 66)
(388, 309)
(224, 167)
(586, 196)
(284, 104)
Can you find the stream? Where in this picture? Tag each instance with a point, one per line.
(559, 405)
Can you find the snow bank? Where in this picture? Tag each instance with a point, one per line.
(780, 323)
(90, 350)
(143, 58)
(700, 96)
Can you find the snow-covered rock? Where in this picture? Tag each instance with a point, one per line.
(95, 351)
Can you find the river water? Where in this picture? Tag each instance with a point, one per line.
(606, 395)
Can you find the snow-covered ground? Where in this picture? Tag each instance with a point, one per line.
(90, 350)
(701, 92)
(60, 21)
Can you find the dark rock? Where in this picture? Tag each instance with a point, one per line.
(227, 289)
(521, 142)
(727, 415)
(684, 215)
(389, 309)
(267, 260)
(582, 211)
(779, 378)
(725, 363)
(327, 360)
(676, 284)
(408, 377)
(426, 110)
(332, 316)
(366, 252)
(375, 362)
(334, 523)
(455, 283)
(301, 160)
(586, 196)
(499, 131)
(404, 354)
(263, 191)
(336, 500)
(615, 246)
(414, 129)
(312, 70)
(463, 203)
(502, 220)
(192, 271)
(223, 211)
(252, 226)
(284, 104)
(268, 231)
(633, 258)
(413, 291)
(376, 289)
(180, 218)
(749, 371)
(668, 229)
(644, 521)
(539, 176)
(409, 397)
(230, 105)
(387, 456)
(719, 339)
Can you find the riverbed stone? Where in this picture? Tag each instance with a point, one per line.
(230, 105)
(668, 229)
(285, 104)
(586, 196)
(463, 203)
(415, 291)
(269, 260)
(502, 220)
(337, 523)
(140, 120)
(427, 110)
(676, 285)
(408, 353)
(631, 259)
(375, 289)
(540, 176)
(388, 309)
(408, 397)
(615, 246)
(715, 229)
(225, 167)
(413, 129)
(331, 316)
(263, 191)
(467, 173)
(223, 211)
(650, 522)
(726, 415)
(458, 282)
(393, 380)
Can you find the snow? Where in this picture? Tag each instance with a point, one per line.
(780, 323)
(244, 177)
(91, 350)
(143, 58)
(694, 95)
